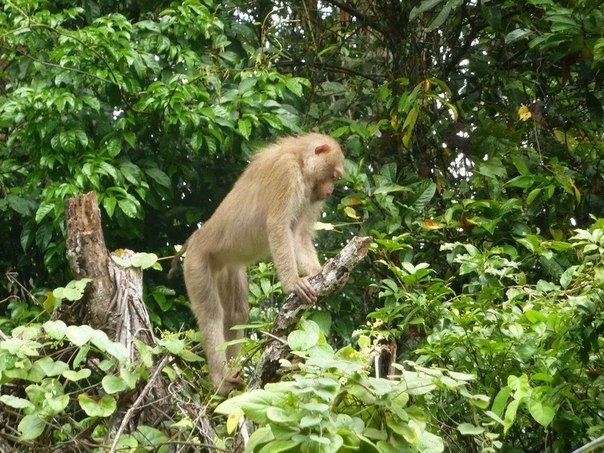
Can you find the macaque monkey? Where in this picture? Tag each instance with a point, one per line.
(271, 210)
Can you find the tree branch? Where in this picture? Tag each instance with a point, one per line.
(332, 277)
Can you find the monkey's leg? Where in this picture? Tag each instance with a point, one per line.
(203, 282)
(236, 306)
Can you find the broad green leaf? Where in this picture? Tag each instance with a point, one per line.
(280, 415)
(75, 376)
(43, 210)
(302, 340)
(51, 367)
(542, 411)
(16, 402)
(522, 181)
(128, 207)
(73, 291)
(244, 126)
(31, 427)
(174, 345)
(500, 401)
(119, 351)
(159, 176)
(97, 407)
(79, 335)
(150, 436)
(114, 384)
(56, 404)
(254, 404)
(310, 420)
(21, 348)
(109, 203)
(516, 35)
(424, 6)
(144, 260)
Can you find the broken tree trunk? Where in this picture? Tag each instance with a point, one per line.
(113, 302)
(333, 276)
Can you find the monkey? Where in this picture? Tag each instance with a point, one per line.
(270, 210)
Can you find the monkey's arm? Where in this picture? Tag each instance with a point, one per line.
(306, 254)
(282, 227)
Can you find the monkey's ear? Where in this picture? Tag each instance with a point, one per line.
(322, 149)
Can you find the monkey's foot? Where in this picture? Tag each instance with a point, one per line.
(231, 382)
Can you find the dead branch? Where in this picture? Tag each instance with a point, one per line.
(332, 277)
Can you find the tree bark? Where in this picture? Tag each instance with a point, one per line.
(113, 302)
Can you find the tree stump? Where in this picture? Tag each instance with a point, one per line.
(113, 302)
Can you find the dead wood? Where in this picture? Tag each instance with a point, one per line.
(332, 277)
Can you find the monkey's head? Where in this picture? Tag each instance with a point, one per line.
(324, 166)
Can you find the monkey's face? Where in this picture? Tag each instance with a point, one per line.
(323, 188)
(324, 165)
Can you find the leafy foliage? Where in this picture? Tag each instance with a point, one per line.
(333, 403)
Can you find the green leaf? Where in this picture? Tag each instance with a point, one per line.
(79, 335)
(73, 291)
(260, 437)
(109, 203)
(51, 367)
(67, 140)
(424, 6)
(114, 384)
(149, 436)
(56, 404)
(444, 14)
(244, 127)
(159, 176)
(500, 401)
(55, 329)
(43, 210)
(523, 181)
(254, 404)
(31, 427)
(97, 407)
(75, 376)
(518, 34)
(128, 207)
(144, 260)
(280, 415)
(174, 345)
(119, 351)
(302, 340)
(16, 402)
(542, 411)
(21, 348)
(424, 197)
(294, 84)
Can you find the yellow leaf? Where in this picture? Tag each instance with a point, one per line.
(350, 212)
(524, 113)
(233, 421)
(432, 224)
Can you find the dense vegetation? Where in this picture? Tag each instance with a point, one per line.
(475, 157)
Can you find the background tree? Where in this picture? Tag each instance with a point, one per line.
(475, 158)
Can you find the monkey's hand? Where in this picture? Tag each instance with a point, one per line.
(305, 291)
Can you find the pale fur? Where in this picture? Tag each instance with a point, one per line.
(271, 210)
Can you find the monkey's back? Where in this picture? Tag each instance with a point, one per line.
(237, 230)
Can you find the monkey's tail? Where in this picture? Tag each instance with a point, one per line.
(176, 259)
